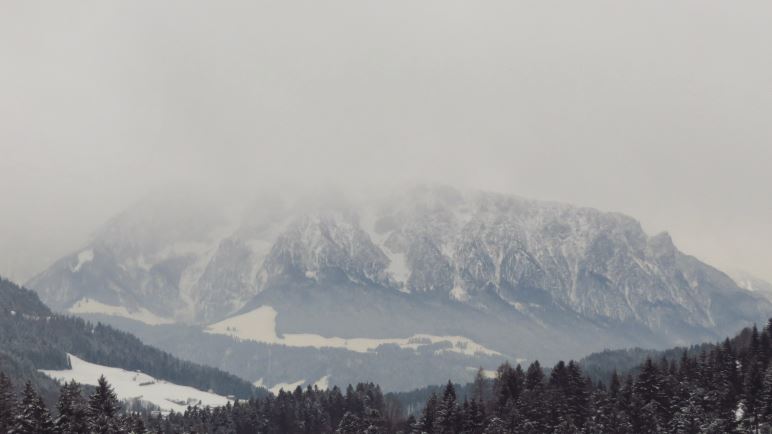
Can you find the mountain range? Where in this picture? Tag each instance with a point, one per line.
(426, 276)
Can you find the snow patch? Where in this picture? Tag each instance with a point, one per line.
(260, 325)
(90, 306)
(287, 387)
(84, 257)
(459, 294)
(136, 385)
(322, 384)
(398, 267)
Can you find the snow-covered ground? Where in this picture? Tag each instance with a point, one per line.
(136, 385)
(322, 384)
(84, 257)
(260, 325)
(87, 305)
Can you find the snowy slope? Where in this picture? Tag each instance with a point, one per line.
(136, 385)
(753, 284)
(321, 384)
(259, 325)
(89, 306)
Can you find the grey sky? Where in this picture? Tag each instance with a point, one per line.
(658, 109)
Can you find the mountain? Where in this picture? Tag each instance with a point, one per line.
(752, 283)
(514, 277)
(33, 338)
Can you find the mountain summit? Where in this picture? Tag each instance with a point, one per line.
(520, 276)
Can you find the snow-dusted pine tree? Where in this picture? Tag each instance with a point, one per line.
(103, 409)
(7, 403)
(72, 410)
(32, 416)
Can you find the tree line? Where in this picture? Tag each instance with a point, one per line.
(99, 413)
(726, 388)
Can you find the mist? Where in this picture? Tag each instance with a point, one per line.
(657, 109)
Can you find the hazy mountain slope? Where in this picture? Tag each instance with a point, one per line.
(752, 283)
(32, 337)
(392, 366)
(526, 278)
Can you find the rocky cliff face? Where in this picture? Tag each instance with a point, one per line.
(548, 265)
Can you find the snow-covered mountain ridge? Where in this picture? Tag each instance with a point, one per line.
(427, 254)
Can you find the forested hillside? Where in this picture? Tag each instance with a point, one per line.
(710, 389)
(32, 337)
(721, 388)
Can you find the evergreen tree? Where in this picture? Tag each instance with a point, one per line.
(765, 401)
(7, 404)
(480, 386)
(576, 395)
(496, 426)
(350, 424)
(72, 410)
(534, 377)
(446, 416)
(689, 419)
(608, 417)
(425, 423)
(133, 424)
(646, 387)
(508, 386)
(32, 417)
(475, 417)
(559, 376)
(752, 386)
(103, 409)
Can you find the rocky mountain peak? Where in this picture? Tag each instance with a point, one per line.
(476, 250)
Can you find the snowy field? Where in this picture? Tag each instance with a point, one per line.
(259, 325)
(322, 384)
(136, 385)
(87, 305)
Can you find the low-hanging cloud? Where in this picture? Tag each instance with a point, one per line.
(656, 109)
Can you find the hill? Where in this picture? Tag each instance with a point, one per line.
(33, 338)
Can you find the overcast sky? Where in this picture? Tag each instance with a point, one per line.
(658, 109)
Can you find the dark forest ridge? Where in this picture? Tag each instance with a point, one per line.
(32, 338)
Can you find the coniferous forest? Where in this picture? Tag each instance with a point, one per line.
(722, 389)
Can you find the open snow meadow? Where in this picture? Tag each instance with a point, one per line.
(130, 386)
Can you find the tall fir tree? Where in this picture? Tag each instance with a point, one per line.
(350, 424)
(765, 401)
(32, 416)
(72, 410)
(446, 416)
(576, 395)
(480, 386)
(425, 423)
(7, 403)
(103, 407)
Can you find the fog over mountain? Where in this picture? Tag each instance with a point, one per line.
(654, 109)
(368, 216)
(440, 278)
